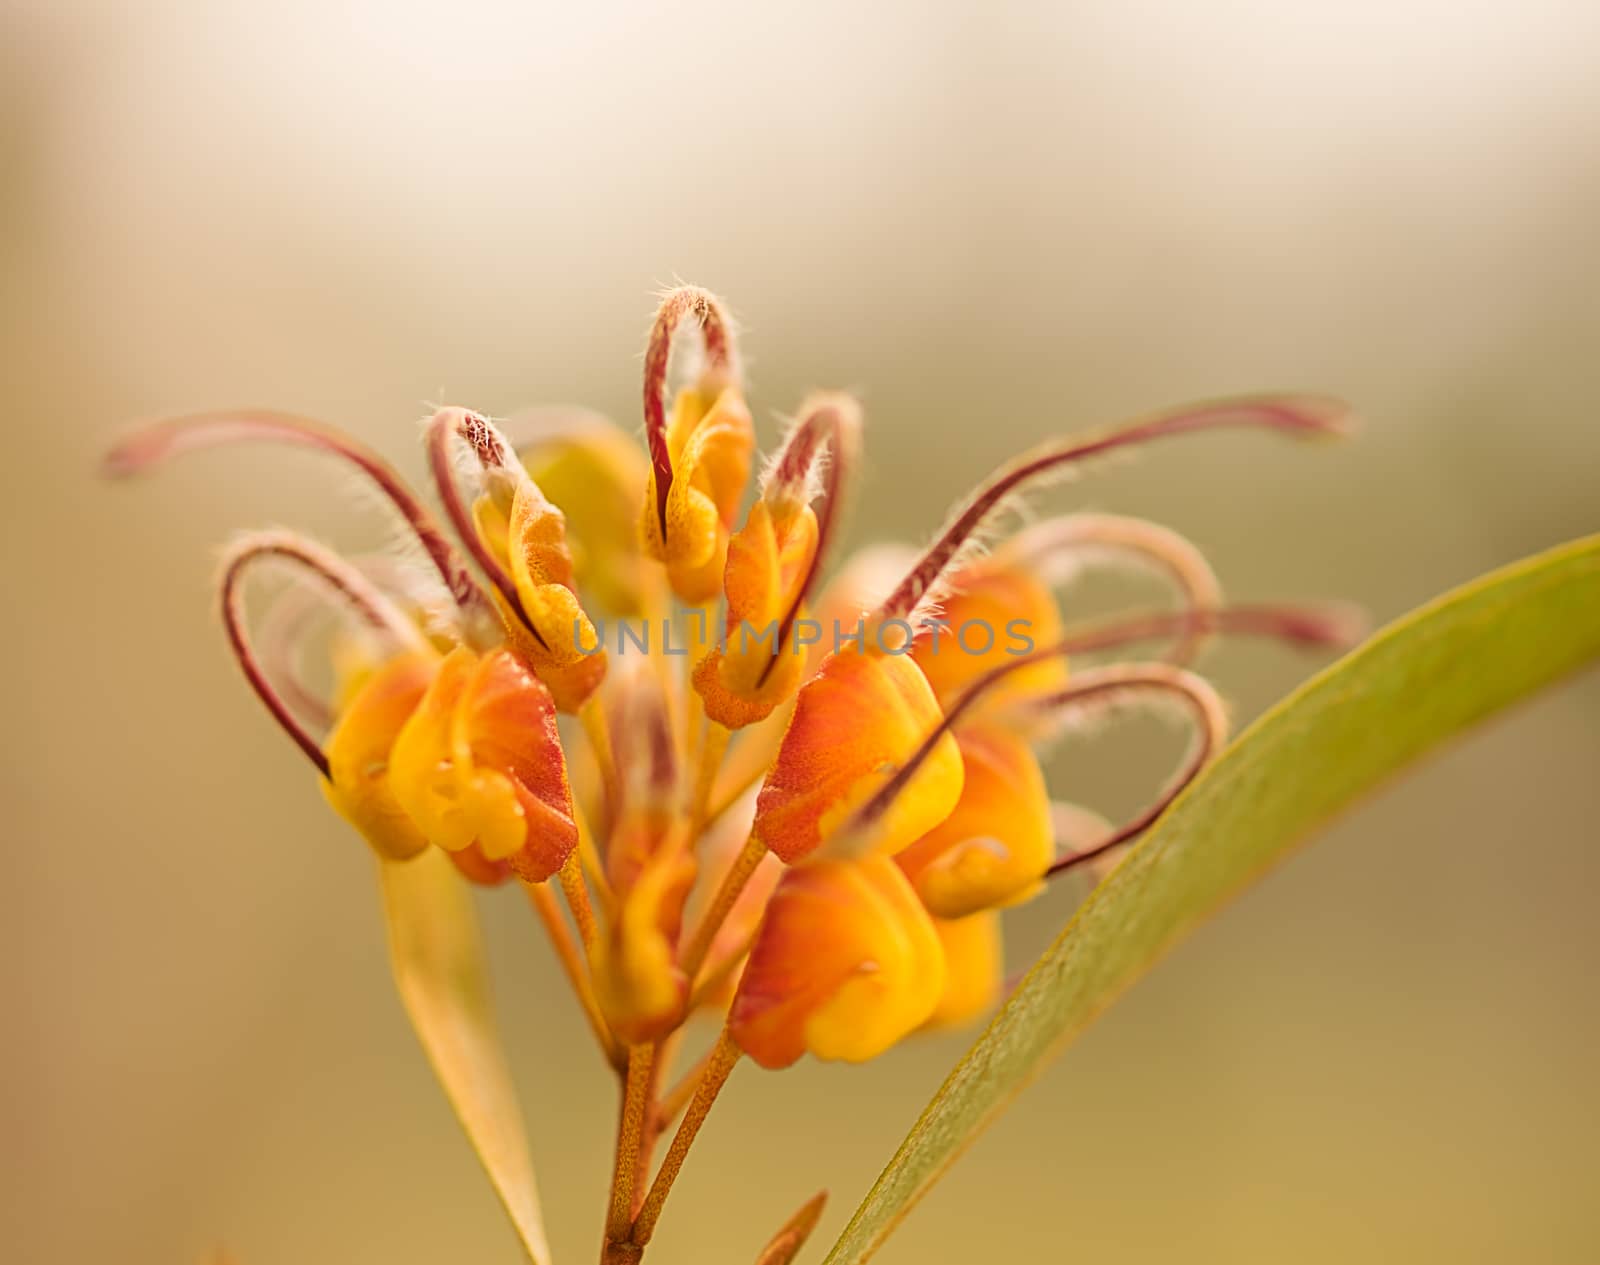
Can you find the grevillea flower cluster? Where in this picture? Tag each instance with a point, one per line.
(810, 843)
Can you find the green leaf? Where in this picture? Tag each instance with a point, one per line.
(1417, 683)
(443, 979)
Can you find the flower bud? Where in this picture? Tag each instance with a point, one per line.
(552, 631)
(768, 558)
(650, 868)
(710, 439)
(637, 980)
(597, 475)
(773, 563)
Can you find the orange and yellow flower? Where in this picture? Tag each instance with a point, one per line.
(874, 978)
(478, 765)
(885, 797)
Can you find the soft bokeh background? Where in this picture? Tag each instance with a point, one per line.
(997, 223)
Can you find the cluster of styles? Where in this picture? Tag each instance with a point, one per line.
(811, 847)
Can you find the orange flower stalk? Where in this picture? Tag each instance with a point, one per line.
(892, 724)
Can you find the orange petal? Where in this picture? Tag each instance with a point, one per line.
(854, 725)
(359, 749)
(480, 762)
(847, 963)
(996, 845)
(510, 726)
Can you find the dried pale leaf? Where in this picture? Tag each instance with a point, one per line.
(1417, 683)
(443, 979)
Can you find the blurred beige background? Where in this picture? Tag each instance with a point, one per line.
(997, 223)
